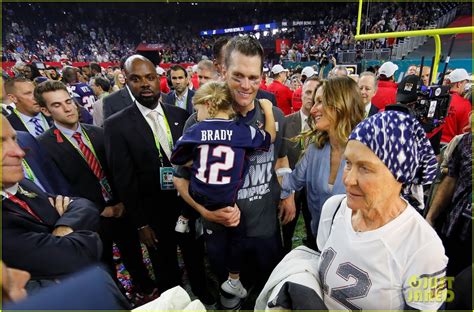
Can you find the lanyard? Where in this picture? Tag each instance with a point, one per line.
(43, 121)
(29, 173)
(89, 145)
(168, 136)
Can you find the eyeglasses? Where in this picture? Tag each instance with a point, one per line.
(241, 80)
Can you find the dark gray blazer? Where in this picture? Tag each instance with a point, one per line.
(116, 101)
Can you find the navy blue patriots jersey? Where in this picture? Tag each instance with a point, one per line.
(83, 94)
(218, 149)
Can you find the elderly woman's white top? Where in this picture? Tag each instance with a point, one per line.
(376, 270)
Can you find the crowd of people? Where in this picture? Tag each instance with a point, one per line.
(214, 163)
(118, 182)
(60, 32)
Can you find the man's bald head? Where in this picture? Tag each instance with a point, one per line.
(134, 58)
(142, 80)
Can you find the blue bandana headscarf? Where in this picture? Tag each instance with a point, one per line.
(401, 144)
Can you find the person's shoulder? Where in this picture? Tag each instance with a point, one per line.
(426, 233)
(264, 94)
(120, 116)
(47, 136)
(177, 111)
(292, 116)
(117, 94)
(92, 128)
(278, 114)
(168, 98)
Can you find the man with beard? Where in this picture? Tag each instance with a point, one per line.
(138, 142)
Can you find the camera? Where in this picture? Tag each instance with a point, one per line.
(428, 104)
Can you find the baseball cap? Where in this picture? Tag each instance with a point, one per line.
(459, 74)
(265, 69)
(308, 71)
(160, 71)
(407, 89)
(388, 69)
(276, 69)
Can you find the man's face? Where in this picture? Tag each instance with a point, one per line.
(53, 73)
(62, 108)
(12, 156)
(243, 78)
(307, 95)
(24, 99)
(179, 81)
(367, 88)
(205, 75)
(412, 70)
(27, 72)
(144, 82)
(86, 71)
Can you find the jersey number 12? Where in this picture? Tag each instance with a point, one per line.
(212, 170)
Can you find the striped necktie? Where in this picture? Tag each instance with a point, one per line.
(38, 127)
(89, 156)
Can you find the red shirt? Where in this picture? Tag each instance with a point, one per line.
(164, 85)
(296, 101)
(263, 84)
(386, 94)
(283, 96)
(195, 81)
(458, 117)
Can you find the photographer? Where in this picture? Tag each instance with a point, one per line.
(459, 107)
(386, 87)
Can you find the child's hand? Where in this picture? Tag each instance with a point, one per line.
(266, 105)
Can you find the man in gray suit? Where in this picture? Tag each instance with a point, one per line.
(297, 123)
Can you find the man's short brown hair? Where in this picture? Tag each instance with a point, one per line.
(10, 83)
(48, 86)
(246, 45)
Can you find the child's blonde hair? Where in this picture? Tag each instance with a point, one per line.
(217, 95)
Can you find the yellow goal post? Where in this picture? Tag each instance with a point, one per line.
(435, 33)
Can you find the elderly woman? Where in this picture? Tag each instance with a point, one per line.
(338, 108)
(378, 253)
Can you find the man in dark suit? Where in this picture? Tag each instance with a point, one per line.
(139, 141)
(49, 238)
(181, 96)
(296, 124)
(368, 87)
(79, 152)
(39, 167)
(26, 116)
